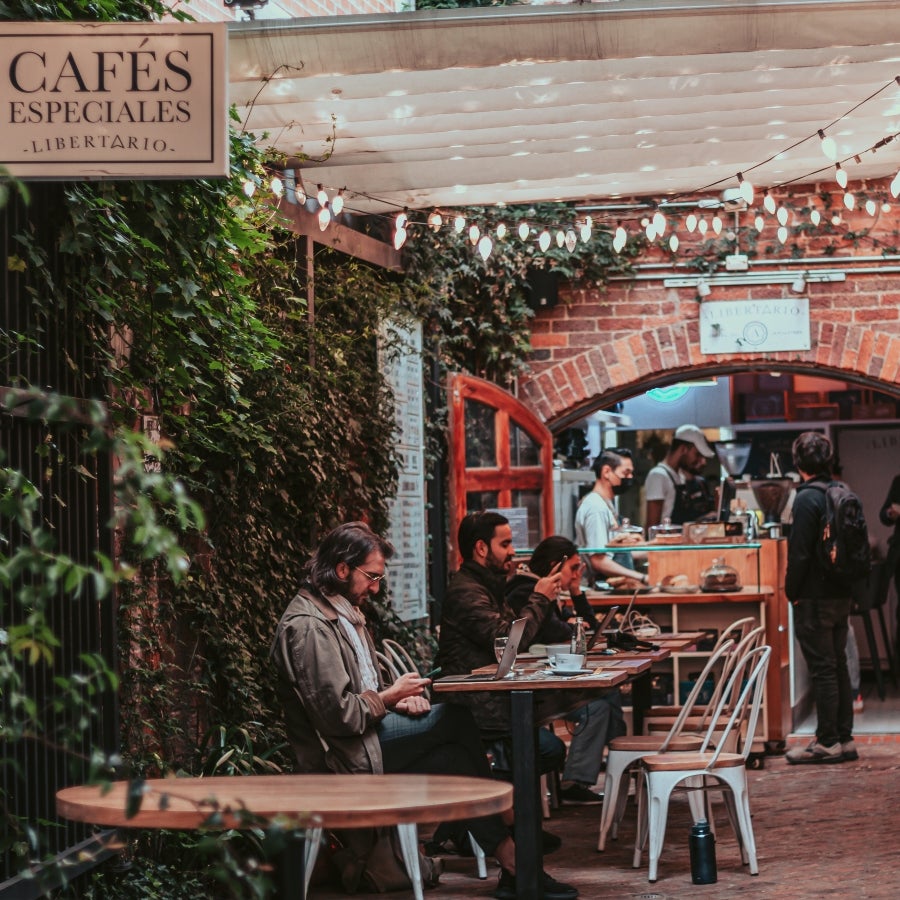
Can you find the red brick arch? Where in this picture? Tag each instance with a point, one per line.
(595, 349)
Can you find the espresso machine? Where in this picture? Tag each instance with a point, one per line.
(733, 456)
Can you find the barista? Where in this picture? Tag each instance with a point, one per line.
(673, 489)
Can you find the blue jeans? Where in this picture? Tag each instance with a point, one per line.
(595, 726)
(821, 630)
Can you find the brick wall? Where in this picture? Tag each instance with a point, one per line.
(599, 345)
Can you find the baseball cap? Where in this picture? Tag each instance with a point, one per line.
(691, 434)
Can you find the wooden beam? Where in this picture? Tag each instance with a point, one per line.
(339, 237)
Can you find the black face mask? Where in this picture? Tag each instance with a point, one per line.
(623, 486)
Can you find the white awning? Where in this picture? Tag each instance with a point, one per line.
(590, 102)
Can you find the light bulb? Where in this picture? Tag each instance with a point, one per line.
(586, 231)
(849, 200)
(895, 185)
(501, 231)
(885, 208)
(871, 207)
(815, 216)
(659, 223)
(746, 189)
(691, 223)
(836, 219)
(276, 186)
(399, 238)
(560, 238)
(485, 245)
(620, 238)
(544, 240)
(571, 241)
(702, 226)
(474, 233)
(769, 203)
(717, 225)
(337, 205)
(459, 223)
(782, 215)
(322, 197)
(435, 220)
(401, 220)
(840, 176)
(250, 188)
(324, 218)
(650, 231)
(524, 230)
(782, 234)
(673, 243)
(759, 223)
(829, 147)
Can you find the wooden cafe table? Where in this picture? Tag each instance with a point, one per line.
(521, 691)
(309, 802)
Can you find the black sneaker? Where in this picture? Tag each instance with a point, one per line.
(578, 793)
(553, 889)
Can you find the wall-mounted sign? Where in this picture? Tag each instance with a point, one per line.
(113, 100)
(754, 326)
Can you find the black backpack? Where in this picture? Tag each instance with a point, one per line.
(846, 554)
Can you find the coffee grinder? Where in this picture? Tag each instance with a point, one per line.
(772, 493)
(733, 456)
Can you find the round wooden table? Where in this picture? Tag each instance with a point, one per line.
(311, 802)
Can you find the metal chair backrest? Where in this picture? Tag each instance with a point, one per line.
(389, 673)
(750, 674)
(399, 655)
(723, 648)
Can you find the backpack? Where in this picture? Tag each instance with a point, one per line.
(845, 550)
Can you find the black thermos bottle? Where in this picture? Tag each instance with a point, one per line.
(703, 854)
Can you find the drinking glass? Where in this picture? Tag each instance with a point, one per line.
(499, 646)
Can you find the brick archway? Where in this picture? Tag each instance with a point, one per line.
(583, 362)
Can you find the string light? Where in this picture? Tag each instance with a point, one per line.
(759, 223)
(782, 215)
(474, 234)
(399, 238)
(717, 225)
(840, 175)
(871, 207)
(322, 197)
(782, 234)
(745, 188)
(459, 223)
(337, 205)
(815, 216)
(829, 147)
(659, 223)
(435, 220)
(769, 203)
(571, 241)
(895, 185)
(276, 185)
(849, 200)
(673, 243)
(702, 226)
(586, 229)
(485, 245)
(501, 231)
(620, 238)
(324, 218)
(544, 240)
(524, 230)
(560, 238)
(691, 223)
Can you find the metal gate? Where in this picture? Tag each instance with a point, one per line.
(77, 509)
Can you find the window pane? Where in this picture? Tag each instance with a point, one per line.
(530, 500)
(523, 450)
(480, 443)
(478, 501)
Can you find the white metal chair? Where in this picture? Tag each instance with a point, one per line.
(708, 770)
(625, 751)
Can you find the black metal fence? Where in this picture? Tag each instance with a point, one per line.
(75, 506)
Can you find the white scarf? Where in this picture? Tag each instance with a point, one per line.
(353, 622)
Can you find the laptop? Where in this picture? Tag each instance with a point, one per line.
(504, 667)
(602, 627)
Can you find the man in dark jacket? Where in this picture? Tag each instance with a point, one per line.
(821, 609)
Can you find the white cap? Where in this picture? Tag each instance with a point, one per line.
(691, 434)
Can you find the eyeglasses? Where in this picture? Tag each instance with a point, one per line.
(375, 579)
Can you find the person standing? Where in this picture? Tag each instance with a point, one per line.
(671, 489)
(340, 717)
(601, 719)
(596, 517)
(889, 514)
(821, 609)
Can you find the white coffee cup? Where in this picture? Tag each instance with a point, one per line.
(567, 662)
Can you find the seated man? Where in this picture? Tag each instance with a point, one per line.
(341, 718)
(601, 720)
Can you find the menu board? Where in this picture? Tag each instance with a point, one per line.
(400, 358)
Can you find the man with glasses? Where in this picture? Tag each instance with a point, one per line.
(339, 715)
(596, 518)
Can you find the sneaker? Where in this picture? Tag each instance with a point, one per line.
(578, 793)
(815, 753)
(858, 704)
(848, 751)
(553, 889)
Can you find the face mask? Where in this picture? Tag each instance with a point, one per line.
(623, 486)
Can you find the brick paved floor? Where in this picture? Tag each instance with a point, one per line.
(821, 831)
